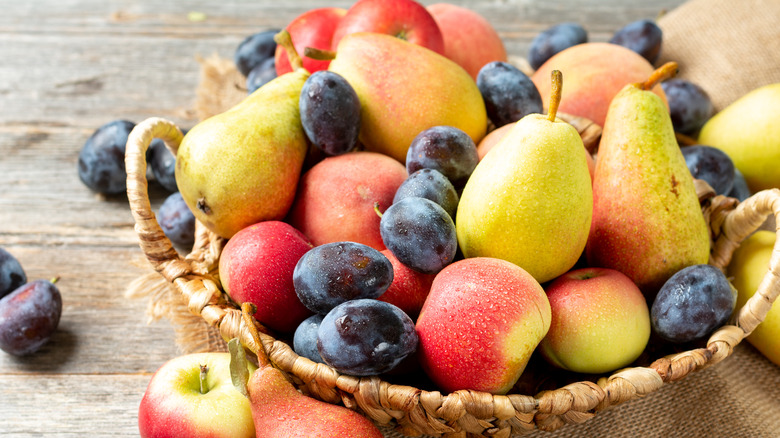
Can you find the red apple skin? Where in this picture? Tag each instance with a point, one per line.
(600, 321)
(494, 136)
(256, 266)
(405, 19)
(409, 288)
(335, 200)
(313, 28)
(593, 73)
(481, 322)
(469, 39)
(173, 406)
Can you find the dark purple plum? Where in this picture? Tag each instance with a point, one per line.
(642, 36)
(689, 105)
(740, 189)
(163, 165)
(330, 274)
(305, 338)
(692, 304)
(102, 158)
(261, 75)
(330, 112)
(29, 316)
(420, 234)
(11, 273)
(255, 49)
(177, 221)
(366, 337)
(553, 40)
(509, 94)
(429, 184)
(446, 149)
(712, 165)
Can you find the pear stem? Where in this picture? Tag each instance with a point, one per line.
(283, 39)
(319, 54)
(247, 310)
(555, 94)
(662, 73)
(204, 369)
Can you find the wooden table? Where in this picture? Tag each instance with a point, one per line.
(68, 67)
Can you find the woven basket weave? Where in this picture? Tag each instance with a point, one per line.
(462, 413)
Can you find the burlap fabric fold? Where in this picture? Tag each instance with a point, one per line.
(728, 47)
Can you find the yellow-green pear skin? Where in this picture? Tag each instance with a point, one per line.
(748, 131)
(242, 166)
(529, 200)
(404, 89)
(647, 220)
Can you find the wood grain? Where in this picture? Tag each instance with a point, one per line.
(70, 66)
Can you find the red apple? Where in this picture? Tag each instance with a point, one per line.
(335, 200)
(256, 266)
(313, 28)
(481, 322)
(177, 403)
(409, 287)
(600, 321)
(405, 19)
(469, 39)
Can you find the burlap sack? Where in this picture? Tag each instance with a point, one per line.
(728, 47)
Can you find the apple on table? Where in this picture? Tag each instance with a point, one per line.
(193, 396)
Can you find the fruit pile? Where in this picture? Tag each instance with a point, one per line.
(442, 220)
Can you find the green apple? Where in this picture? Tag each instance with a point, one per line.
(600, 321)
(193, 396)
(747, 130)
(748, 267)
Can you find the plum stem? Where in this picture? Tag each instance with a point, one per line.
(283, 39)
(555, 94)
(319, 54)
(247, 310)
(376, 209)
(662, 73)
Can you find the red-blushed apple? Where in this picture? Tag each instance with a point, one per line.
(405, 19)
(495, 135)
(335, 200)
(481, 322)
(409, 287)
(185, 400)
(314, 28)
(600, 321)
(469, 39)
(256, 266)
(593, 74)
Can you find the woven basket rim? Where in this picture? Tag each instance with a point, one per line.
(414, 411)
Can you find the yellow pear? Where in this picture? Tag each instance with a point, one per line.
(529, 201)
(242, 166)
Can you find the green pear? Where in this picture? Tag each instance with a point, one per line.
(242, 166)
(647, 220)
(529, 200)
(404, 89)
(749, 133)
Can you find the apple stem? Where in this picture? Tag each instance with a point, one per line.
(283, 39)
(319, 54)
(662, 73)
(204, 369)
(247, 310)
(376, 209)
(555, 94)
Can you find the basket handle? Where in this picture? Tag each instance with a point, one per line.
(155, 245)
(746, 218)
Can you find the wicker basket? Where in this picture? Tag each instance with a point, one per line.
(462, 413)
